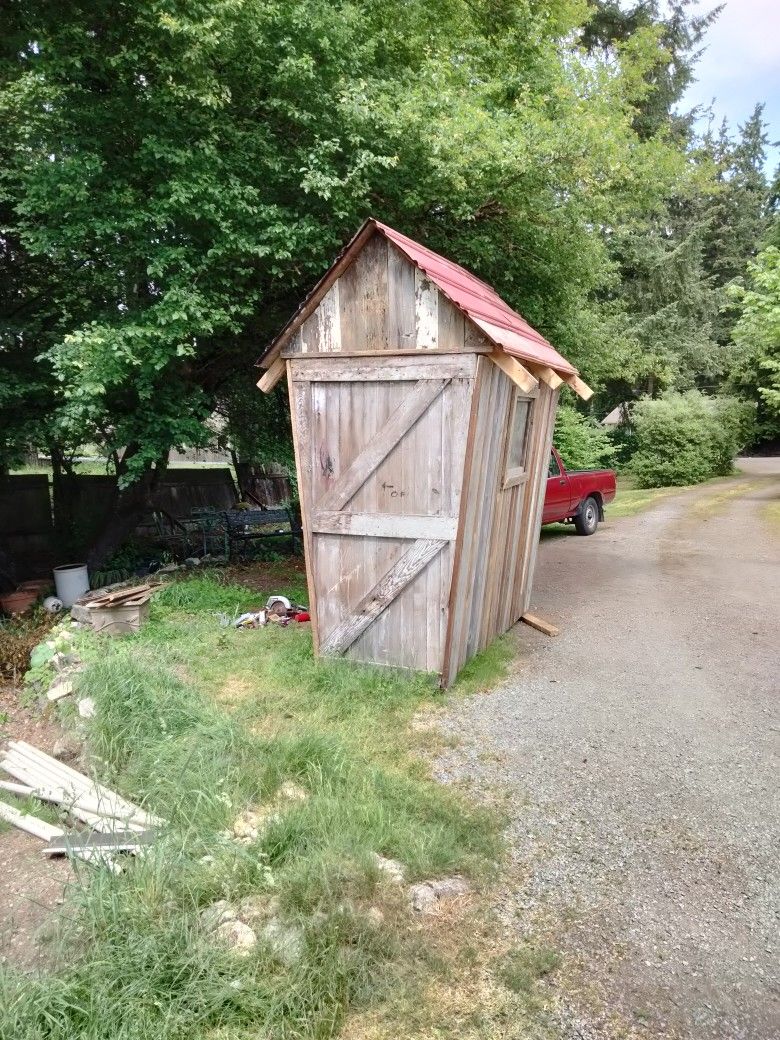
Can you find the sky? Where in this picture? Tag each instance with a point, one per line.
(741, 66)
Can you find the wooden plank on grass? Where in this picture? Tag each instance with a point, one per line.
(76, 842)
(540, 624)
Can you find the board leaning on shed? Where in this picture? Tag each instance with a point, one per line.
(422, 410)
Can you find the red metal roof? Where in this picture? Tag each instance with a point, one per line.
(481, 304)
(503, 326)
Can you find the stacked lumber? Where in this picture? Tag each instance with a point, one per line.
(124, 825)
(132, 597)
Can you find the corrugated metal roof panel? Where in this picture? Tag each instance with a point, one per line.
(505, 327)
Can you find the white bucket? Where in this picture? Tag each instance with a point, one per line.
(71, 582)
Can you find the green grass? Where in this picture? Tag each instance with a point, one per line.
(200, 722)
(771, 513)
(521, 968)
(631, 500)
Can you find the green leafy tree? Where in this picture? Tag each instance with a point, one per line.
(687, 438)
(756, 374)
(178, 174)
(582, 443)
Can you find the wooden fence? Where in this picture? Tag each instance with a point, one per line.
(30, 545)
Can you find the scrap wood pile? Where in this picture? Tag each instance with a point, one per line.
(117, 612)
(135, 596)
(113, 823)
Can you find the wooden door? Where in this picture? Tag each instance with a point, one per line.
(380, 446)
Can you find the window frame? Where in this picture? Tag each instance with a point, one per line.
(514, 475)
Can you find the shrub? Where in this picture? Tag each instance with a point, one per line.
(582, 443)
(688, 438)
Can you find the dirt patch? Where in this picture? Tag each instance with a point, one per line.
(268, 578)
(25, 721)
(233, 691)
(31, 887)
(31, 891)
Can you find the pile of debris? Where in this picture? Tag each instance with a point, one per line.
(121, 612)
(278, 611)
(113, 823)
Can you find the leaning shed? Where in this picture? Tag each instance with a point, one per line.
(422, 410)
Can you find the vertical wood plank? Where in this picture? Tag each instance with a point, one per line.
(459, 603)
(535, 517)
(373, 287)
(401, 327)
(299, 413)
(452, 326)
(351, 317)
(310, 334)
(328, 318)
(426, 306)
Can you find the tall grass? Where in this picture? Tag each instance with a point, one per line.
(200, 722)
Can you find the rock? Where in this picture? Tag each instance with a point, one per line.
(248, 824)
(254, 909)
(87, 708)
(448, 888)
(251, 823)
(389, 867)
(80, 612)
(65, 661)
(217, 914)
(290, 792)
(284, 940)
(67, 748)
(61, 687)
(422, 898)
(236, 936)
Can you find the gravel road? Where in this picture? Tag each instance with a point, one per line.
(638, 753)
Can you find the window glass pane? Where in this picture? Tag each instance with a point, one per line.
(517, 439)
(553, 469)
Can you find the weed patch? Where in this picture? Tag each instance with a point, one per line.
(521, 968)
(137, 959)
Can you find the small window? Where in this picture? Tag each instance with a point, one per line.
(520, 424)
(553, 470)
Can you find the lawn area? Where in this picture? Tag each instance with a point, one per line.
(204, 724)
(771, 512)
(631, 499)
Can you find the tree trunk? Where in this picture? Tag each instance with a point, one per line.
(128, 508)
(62, 474)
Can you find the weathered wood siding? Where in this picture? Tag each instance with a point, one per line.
(380, 449)
(499, 532)
(417, 556)
(381, 302)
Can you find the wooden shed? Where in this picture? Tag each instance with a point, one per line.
(422, 410)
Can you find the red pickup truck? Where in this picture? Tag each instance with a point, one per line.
(578, 496)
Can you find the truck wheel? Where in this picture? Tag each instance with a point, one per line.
(587, 520)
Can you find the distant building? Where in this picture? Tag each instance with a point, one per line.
(618, 416)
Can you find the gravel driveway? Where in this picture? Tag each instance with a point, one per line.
(638, 753)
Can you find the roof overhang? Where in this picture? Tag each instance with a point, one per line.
(507, 330)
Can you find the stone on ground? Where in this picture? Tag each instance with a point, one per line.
(236, 936)
(391, 868)
(284, 940)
